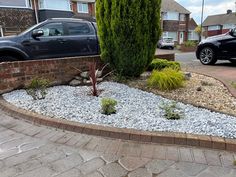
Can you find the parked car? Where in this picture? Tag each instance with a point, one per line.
(53, 38)
(220, 47)
(166, 42)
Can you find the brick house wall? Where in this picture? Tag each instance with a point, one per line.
(214, 32)
(88, 16)
(16, 19)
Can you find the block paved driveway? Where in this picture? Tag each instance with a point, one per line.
(28, 150)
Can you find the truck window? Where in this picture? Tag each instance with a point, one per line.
(78, 29)
(53, 29)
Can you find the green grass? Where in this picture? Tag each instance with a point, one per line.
(166, 80)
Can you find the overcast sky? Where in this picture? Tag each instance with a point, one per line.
(212, 7)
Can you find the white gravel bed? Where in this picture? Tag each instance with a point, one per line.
(136, 109)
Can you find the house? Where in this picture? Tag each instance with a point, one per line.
(192, 35)
(16, 16)
(219, 24)
(175, 21)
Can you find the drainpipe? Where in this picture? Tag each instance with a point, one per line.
(1, 31)
(36, 12)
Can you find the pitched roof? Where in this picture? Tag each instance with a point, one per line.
(192, 24)
(171, 5)
(220, 19)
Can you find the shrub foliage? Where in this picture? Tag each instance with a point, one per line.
(37, 88)
(160, 64)
(128, 33)
(172, 111)
(108, 106)
(167, 79)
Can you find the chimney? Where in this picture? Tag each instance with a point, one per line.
(229, 11)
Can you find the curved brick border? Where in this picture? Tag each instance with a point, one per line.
(119, 133)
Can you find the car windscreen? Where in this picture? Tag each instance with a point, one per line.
(169, 40)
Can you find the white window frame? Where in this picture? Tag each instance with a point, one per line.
(20, 7)
(81, 3)
(46, 8)
(213, 28)
(182, 17)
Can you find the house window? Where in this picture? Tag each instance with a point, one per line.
(212, 28)
(228, 26)
(83, 7)
(193, 36)
(63, 5)
(16, 3)
(170, 35)
(182, 17)
(170, 16)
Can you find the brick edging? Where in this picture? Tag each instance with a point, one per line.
(120, 133)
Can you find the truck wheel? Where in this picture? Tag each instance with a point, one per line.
(207, 56)
(7, 58)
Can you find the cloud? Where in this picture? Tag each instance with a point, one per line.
(212, 7)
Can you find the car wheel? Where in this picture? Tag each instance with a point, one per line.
(207, 56)
(233, 61)
(7, 58)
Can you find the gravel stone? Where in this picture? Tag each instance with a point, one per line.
(136, 109)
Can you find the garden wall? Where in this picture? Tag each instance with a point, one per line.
(17, 74)
(59, 71)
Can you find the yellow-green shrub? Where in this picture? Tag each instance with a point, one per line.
(167, 79)
(160, 64)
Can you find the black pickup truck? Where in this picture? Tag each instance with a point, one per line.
(53, 38)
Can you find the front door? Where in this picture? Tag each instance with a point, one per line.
(51, 44)
(181, 37)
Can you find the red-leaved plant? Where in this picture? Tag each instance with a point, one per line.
(93, 77)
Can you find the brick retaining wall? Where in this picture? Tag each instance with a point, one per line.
(59, 71)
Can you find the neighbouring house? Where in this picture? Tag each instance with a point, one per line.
(18, 15)
(175, 21)
(192, 35)
(219, 24)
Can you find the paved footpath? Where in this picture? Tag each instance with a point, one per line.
(28, 150)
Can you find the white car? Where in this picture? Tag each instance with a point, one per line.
(166, 42)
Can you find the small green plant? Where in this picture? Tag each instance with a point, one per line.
(166, 80)
(160, 64)
(190, 44)
(233, 84)
(172, 111)
(37, 88)
(108, 106)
